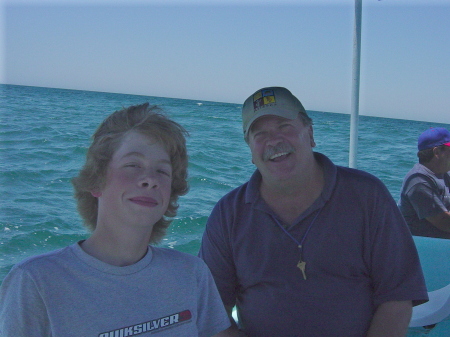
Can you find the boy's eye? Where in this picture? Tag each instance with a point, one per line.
(135, 165)
(165, 172)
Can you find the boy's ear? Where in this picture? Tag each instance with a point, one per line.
(311, 135)
(96, 193)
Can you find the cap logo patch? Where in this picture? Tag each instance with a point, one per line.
(263, 99)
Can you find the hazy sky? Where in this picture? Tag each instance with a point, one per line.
(224, 50)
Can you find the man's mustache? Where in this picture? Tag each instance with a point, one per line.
(279, 148)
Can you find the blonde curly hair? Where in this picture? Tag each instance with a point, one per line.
(147, 120)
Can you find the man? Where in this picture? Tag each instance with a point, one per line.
(307, 248)
(425, 196)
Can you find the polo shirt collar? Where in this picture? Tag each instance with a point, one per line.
(252, 194)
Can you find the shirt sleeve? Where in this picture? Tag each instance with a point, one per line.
(212, 317)
(216, 251)
(22, 310)
(395, 266)
(425, 200)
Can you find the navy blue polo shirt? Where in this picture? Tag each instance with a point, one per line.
(359, 253)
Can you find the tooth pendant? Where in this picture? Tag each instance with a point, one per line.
(302, 266)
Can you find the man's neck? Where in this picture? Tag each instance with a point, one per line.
(290, 198)
(434, 167)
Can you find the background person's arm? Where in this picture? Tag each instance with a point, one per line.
(441, 221)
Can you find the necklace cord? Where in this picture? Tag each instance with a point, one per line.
(299, 244)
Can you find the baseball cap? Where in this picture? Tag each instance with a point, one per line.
(433, 137)
(277, 101)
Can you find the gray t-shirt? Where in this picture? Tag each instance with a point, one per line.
(70, 293)
(424, 194)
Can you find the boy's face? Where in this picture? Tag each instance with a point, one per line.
(138, 183)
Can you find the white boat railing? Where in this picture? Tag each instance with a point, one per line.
(434, 311)
(434, 256)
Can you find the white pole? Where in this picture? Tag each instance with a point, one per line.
(353, 150)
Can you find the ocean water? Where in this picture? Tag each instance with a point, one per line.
(45, 133)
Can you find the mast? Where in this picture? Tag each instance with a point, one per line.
(354, 114)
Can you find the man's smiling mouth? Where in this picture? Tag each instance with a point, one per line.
(278, 155)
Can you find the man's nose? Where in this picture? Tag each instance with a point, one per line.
(273, 137)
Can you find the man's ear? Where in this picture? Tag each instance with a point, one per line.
(437, 152)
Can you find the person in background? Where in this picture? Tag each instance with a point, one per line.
(115, 283)
(305, 247)
(425, 196)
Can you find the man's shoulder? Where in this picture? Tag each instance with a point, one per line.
(356, 175)
(345, 174)
(419, 170)
(419, 174)
(360, 183)
(237, 194)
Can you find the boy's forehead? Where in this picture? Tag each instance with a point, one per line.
(137, 143)
(135, 137)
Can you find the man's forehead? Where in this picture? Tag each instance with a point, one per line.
(267, 119)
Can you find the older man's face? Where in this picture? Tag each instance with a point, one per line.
(280, 146)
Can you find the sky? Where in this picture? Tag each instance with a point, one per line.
(224, 50)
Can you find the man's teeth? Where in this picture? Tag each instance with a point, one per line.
(278, 155)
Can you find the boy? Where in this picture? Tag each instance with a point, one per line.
(114, 283)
